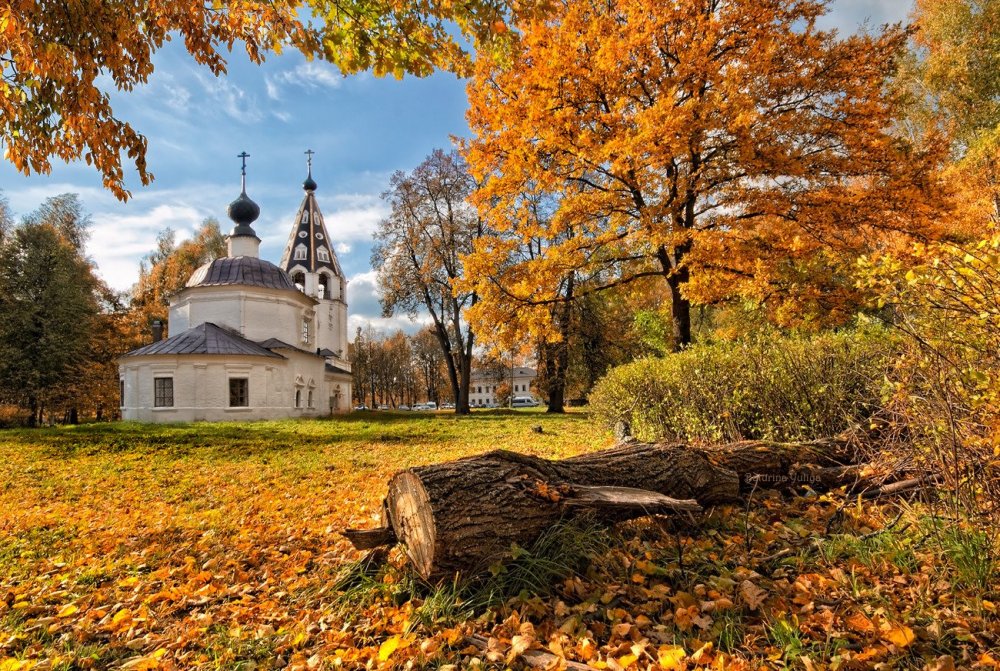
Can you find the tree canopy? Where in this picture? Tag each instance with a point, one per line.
(58, 60)
(733, 149)
(49, 299)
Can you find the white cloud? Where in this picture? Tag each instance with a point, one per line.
(364, 308)
(342, 248)
(118, 241)
(309, 75)
(354, 217)
(229, 98)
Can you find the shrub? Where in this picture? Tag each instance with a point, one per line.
(768, 387)
(946, 386)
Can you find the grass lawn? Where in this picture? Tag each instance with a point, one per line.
(217, 546)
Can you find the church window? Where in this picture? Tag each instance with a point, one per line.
(310, 398)
(300, 281)
(323, 255)
(319, 235)
(239, 392)
(163, 392)
(121, 393)
(298, 398)
(301, 252)
(324, 284)
(303, 234)
(305, 216)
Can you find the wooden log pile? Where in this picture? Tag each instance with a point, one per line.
(462, 515)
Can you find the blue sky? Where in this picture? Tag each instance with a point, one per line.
(362, 129)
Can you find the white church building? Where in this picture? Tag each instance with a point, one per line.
(249, 339)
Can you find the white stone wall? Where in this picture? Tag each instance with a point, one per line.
(255, 313)
(201, 387)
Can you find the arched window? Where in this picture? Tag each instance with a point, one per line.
(323, 255)
(310, 398)
(324, 286)
(300, 281)
(301, 252)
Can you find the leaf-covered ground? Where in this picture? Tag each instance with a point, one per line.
(216, 546)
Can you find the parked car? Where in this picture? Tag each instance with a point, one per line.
(524, 402)
(419, 406)
(431, 405)
(361, 407)
(403, 407)
(447, 406)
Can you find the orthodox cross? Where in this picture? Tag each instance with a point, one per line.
(244, 156)
(309, 161)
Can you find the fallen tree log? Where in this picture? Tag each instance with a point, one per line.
(463, 515)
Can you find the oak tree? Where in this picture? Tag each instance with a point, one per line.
(731, 149)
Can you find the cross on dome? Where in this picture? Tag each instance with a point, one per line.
(310, 183)
(243, 211)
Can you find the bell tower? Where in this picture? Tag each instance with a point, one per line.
(310, 260)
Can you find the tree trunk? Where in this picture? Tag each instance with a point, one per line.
(680, 309)
(462, 516)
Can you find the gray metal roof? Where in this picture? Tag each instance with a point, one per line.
(244, 270)
(274, 343)
(206, 338)
(330, 368)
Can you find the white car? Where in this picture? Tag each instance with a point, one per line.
(524, 402)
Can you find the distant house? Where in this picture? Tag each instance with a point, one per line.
(483, 387)
(249, 339)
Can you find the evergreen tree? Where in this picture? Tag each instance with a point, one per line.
(48, 305)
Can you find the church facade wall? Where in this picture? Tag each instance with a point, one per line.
(255, 314)
(199, 388)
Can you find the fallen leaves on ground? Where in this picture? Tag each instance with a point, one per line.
(218, 548)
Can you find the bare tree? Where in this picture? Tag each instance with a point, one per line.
(417, 253)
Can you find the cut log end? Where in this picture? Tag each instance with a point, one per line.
(411, 516)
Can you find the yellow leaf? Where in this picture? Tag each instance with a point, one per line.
(387, 648)
(899, 635)
(68, 610)
(626, 660)
(671, 657)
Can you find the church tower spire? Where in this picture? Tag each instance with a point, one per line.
(310, 260)
(309, 257)
(243, 240)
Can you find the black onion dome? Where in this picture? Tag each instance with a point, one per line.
(310, 183)
(244, 212)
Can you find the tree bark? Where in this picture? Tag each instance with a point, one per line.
(463, 515)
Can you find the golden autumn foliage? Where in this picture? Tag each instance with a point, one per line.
(946, 386)
(59, 60)
(732, 149)
(167, 269)
(954, 79)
